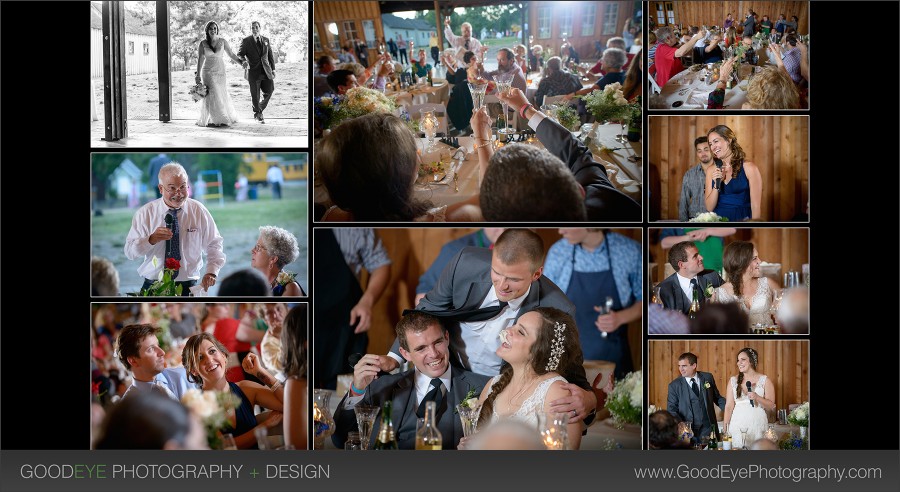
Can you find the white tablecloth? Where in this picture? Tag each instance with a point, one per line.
(690, 87)
(423, 94)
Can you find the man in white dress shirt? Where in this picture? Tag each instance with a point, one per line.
(189, 234)
(462, 43)
(677, 291)
(137, 347)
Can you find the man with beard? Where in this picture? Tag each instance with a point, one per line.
(691, 202)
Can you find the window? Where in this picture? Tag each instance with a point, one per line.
(350, 30)
(565, 23)
(131, 47)
(369, 30)
(544, 22)
(146, 49)
(670, 10)
(610, 18)
(660, 15)
(316, 42)
(331, 36)
(589, 16)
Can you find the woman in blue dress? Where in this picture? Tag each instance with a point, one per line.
(741, 184)
(206, 360)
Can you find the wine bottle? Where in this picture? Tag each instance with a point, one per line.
(430, 80)
(387, 439)
(713, 445)
(695, 306)
(428, 437)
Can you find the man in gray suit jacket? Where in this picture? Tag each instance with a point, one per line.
(426, 344)
(676, 291)
(509, 280)
(691, 397)
(260, 62)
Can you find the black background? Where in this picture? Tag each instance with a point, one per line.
(45, 179)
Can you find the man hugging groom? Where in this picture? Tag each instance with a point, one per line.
(260, 63)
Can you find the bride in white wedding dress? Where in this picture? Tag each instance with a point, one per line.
(750, 394)
(746, 286)
(542, 344)
(216, 108)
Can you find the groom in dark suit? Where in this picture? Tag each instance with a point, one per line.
(676, 291)
(427, 345)
(691, 397)
(260, 62)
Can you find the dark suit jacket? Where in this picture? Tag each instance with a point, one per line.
(602, 200)
(400, 389)
(464, 284)
(674, 298)
(679, 400)
(260, 62)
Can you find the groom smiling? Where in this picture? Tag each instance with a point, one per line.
(260, 65)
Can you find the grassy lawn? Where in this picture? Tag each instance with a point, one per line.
(288, 101)
(238, 223)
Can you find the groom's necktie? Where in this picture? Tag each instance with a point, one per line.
(259, 44)
(695, 388)
(174, 250)
(480, 314)
(437, 396)
(695, 287)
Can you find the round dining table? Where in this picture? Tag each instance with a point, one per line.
(422, 93)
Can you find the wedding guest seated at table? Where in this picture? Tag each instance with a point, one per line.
(663, 431)
(205, 359)
(104, 277)
(668, 56)
(369, 166)
(341, 81)
(751, 57)
(151, 421)
(537, 350)
(506, 63)
(522, 58)
(294, 362)
(741, 182)
(137, 348)
(275, 248)
(536, 58)
(325, 65)
(712, 53)
(425, 343)
(602, 201)
(634, 80)
(421, 68)
(612, 61)
(730, 37)
(769, 88)
(555, 82)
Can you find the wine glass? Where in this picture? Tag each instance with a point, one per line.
(478, 89)
(365, 419)
(744, 438)
(504, 82)
(468, 416)
(623, 137)
(228, 443)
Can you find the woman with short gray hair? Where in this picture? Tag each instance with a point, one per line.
(275, 248)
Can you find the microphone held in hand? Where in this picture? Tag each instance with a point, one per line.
(749, 389)
(718, 180)
(169, 221)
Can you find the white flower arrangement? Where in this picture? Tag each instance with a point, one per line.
(215, 409)
(708, 217)
(800, 415)
(608, 104)
(627, 399)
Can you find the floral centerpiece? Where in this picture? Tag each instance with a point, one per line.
(627, 400)
(165, 284)
(608, 104)
(800, 415)
(792, 442)
(567, 117)
(331, 111)
(198, 92)
(215, 409)
(282, 280)
(709, 217)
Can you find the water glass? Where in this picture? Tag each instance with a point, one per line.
(262, 436)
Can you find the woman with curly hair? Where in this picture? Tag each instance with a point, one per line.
(741, 183)
(746, 286)
(749, 395)
(275, 248)
(541, 347)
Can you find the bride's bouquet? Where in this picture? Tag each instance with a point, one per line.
(709, 217)
(198, 91)
(627, 400)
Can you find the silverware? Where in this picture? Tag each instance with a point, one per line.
(455, 182)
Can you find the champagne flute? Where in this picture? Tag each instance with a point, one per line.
(744, 438)
(504, 82)
(365, 419)
(478, 89)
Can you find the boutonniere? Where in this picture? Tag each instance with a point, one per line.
(708, 292)
(282, 280)
(706, 385)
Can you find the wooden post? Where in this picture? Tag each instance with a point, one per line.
(163, 61)
(115, 109)
(439, 20)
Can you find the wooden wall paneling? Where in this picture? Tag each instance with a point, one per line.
(713, 13)
(785, 362)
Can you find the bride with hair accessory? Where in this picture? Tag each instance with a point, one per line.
(750, 394)
(542, 345)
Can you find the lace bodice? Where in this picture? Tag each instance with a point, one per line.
(759, 389)
(532, 406)
(759, 303)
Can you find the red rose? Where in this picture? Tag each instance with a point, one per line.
(172, 264)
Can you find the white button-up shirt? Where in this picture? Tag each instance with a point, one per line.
(198, 234)
(482, 338)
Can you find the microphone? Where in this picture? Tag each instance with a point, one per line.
(718, 180)
(169, 220)
(749, 386)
